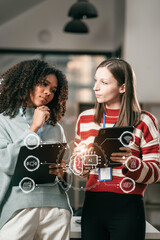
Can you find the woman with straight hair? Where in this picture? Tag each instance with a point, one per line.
(113, 207)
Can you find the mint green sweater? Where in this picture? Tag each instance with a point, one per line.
(12, 134)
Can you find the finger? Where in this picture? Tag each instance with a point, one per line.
(125, 149)
(57, 171)
(116, 158)
(118, 154)
(47, 116)
(54, 165)
(119, 160)
(122, 159)
(43, 108)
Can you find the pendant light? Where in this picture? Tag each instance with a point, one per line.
(82, 9)
(76, 26)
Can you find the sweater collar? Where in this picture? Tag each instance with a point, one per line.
(112, 112)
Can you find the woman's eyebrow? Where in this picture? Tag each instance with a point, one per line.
(101, 79)
(50, 83)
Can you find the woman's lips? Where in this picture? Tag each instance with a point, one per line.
(44, 99)
(97, 95)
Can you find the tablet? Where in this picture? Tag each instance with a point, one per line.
(33, 162)
(109, 140)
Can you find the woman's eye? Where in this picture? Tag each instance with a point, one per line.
(45, 84)
(104, 82)
(53, 91)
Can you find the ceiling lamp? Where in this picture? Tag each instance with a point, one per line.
(82, 9)
(76, 26)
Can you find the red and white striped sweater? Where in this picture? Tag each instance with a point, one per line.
(146, 147)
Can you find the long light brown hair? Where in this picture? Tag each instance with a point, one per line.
(130, 110)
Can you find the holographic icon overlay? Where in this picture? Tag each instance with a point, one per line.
(31, 163)
(127, 139)
(81, 161)
(85, 159)
(27, 185)
(127, 185)
(31, 141)
(133, 163)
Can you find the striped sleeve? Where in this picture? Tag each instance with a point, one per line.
(149, 169)
(77, 132)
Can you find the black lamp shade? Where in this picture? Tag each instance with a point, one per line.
(82, 9)
(76, 26)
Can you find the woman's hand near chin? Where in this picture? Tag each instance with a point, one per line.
(40, 116)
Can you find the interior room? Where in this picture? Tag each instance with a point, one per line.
(122, 28)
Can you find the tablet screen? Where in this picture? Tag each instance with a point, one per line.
(109, 140)
(34, 162)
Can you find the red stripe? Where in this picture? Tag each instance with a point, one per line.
(137, 140)
(110, 120)
(146, 133)
(87, 134)
(156, 176)
(134, 175)
(135, 152)
(152, 117)
(150, 149)
(87, 119)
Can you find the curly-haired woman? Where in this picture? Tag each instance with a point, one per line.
(33, 98)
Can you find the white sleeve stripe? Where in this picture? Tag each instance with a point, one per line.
(143, 174)
(152, 179)
(152, 129)
(151, 156)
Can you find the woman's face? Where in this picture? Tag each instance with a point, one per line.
(43, 93)
(106, 88)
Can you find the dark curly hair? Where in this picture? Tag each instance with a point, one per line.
(17, 82)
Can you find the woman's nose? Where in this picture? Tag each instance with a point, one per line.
(47, 92)
(96, 86)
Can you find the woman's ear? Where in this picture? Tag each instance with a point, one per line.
(122, 88)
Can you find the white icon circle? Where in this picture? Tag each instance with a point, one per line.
(31, 163)
(27, 185)
(32, 141)
(126, 137)
(127, 185)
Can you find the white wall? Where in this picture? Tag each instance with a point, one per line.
(142, 46)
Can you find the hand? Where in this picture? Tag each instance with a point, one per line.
(58, 169)
(80, 151)
(81, 148)
(41, 115)
(121, 156)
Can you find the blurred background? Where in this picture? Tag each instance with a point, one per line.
(123, 28)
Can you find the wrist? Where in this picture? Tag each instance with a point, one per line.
(34, 128)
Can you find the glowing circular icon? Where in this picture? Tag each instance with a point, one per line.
(31, 163)
(75, 164)
(127, 185)
(127, 139)
(133, 163)
(31, 141)
(27, 185)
